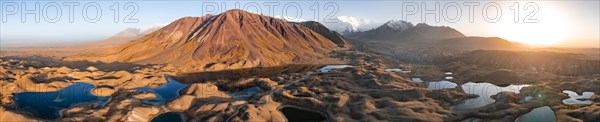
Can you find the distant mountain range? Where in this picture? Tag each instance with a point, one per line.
(357, 28)
(124, 36)
(239, 39)
(424, 35)
(346, 25)
(402, 31)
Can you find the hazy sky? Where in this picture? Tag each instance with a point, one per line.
(561, 23)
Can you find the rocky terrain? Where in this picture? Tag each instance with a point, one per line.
(363, 92)
(341, 95)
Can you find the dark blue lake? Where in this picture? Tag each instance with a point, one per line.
(246, 93)
(541, 114)
(293, 114)
(485, 91)
(169, 117)
(164, 92)
(47, 105)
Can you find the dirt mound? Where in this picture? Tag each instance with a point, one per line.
(233, 39)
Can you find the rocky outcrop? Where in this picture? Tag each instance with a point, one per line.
(122, 107)
(142, 114)
(197, 94)
(6, 116)
(145, 95)
(587, 113)
(103, 91)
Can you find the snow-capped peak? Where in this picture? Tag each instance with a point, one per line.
(349, 24)
(290, 19)
(355, 22)
(399, 25)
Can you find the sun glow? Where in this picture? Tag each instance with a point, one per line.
(550, 30)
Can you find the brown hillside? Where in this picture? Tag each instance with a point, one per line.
(233, 39)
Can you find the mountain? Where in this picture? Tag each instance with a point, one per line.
(427, 36)
(347, 25)
(425, 44)
(77, 48)
(290, 19)
(122, 37)
(338, 39)
(402, 31)
(398, 25)
(232, 39)
(149, 29)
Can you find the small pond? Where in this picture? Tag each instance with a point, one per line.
(47, 105)
(393, 70)
(527, 98)
(246, 93)
(541, 114)
(418, 80)
(472, 120)
(576, 98)
(397, 70)
(294, 114)
(438, 85)
(169, 117)
(485, 91)
(164, 92)
(331, 67)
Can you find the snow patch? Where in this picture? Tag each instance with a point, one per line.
(399, 25)
(290, 19)
(348, 24)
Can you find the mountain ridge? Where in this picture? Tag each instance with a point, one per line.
(405, 32)
(232, 39)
